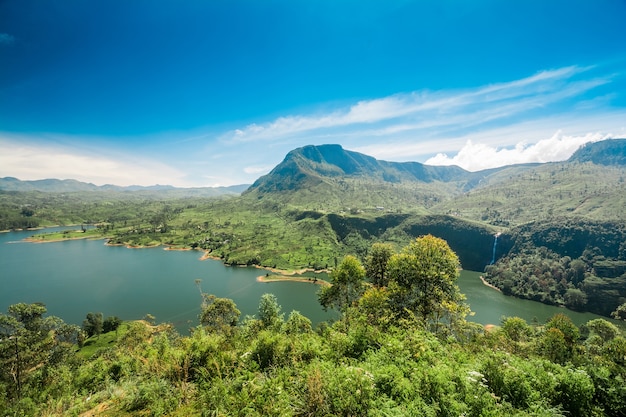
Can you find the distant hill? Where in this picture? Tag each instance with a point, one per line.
(71, 186)
(606, 152)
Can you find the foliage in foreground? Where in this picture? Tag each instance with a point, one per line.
(273, 366)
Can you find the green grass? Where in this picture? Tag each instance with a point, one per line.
(106, 340)
(518, 195)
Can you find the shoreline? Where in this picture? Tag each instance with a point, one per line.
(33, 239)
(290, 278)
(280, 275)
(485, 283)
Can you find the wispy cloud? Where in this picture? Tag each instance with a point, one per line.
(429, 113)
(483, 127)
(6, 39)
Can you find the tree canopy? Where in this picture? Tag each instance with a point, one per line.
(423, 281)
(347, 285)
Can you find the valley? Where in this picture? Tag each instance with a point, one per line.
(324, 202)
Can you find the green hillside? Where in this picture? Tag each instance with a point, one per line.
(323, 202)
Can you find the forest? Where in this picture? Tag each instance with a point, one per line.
(404, 344)
(577, 264)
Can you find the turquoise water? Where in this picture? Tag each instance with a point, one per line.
(490, 305)
(76, 277)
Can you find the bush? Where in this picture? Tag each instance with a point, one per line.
(156, 396)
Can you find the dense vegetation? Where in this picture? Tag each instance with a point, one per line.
(323, 202)
(579, 264)
(401, 347)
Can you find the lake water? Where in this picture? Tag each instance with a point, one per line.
(75, 277)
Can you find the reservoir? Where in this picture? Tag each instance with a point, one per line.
(75, 277)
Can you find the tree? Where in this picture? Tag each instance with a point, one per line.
(347, 285)
(620, 312)
(516, 329)
(29, 315)
(575, 298)
(93, 324)
(376, 263)
(606, 330)
(27, 343)
(423, 281)
(219, 313)
(297, 323)
(269, 312)
(559, 338)
(111, 323)
(570, 331)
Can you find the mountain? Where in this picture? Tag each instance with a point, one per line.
(72, 186)
(329, 178)
(606, 152)
(313, 164)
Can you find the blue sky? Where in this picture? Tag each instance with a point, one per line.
(205, 93)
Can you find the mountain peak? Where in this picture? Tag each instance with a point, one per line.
(310, 165)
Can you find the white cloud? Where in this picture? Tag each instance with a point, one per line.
(33, 162)
(427, 111)
(479, 156)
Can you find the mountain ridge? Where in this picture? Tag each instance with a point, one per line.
(54, 185)
(312, 163)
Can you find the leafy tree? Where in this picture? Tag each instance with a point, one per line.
(376, 263)
(606, 330)
(218, 313)
(27, 343)
(297, 323)
(29, 315)
(269, 312)
(374, 304)
(558, 341)
(620, 312)
(347, 285)
(575, 299)
(552, 345)
(424, 279)
(577, 268)
(111, 323)
(516, 329)
(570, 331)
(93, 324)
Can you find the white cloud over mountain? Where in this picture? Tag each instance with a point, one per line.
(479, 156)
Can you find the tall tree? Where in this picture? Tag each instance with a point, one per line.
(27, 341)
(347, 285)
(269, 312)
(423, 281)
(93, 324)
(111, 323)
(376, 263)
(219, 313)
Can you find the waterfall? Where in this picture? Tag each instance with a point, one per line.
(495, 244)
